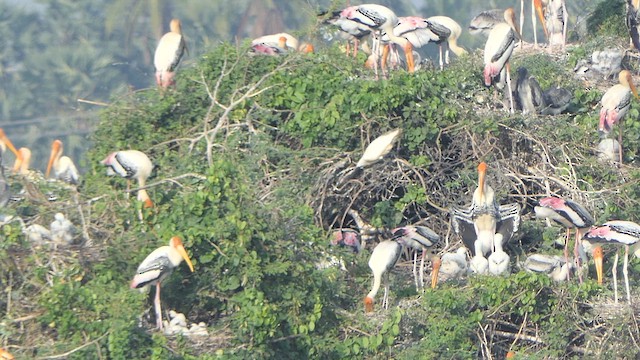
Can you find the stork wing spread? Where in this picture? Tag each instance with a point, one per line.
(509, 221)
(463, 226)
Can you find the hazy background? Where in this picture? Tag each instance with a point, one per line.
(58, 55)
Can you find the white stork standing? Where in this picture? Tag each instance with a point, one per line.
(63, 167)
(131, 164)
(479, 224)
(157, 266)
(556, 17)
(383, 258)
(168, 54)
(569, 214)
(536, 7)
(419, 238)
(615, 104)
(497, 52)
(617, 232)
(381, 20)
(438, 29)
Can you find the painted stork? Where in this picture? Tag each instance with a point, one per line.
(62, 230)
(486, 20)
(381, 20)
(437, 29)
(63, 167)
(131, 164)
(497, 52)
(617, 232)
(351, 30)
(383, 258)
(553, 265)
(157, 266)
(378, 148)
(23, 161)
(168, 54)
(277, 44)
(453, 265)
(615, 104)
(536, 7)
(6, 143)
(499, 259)
(479, 223)
(633, 22)
(569, 214)
(418, 238)
(556, 18)
(347, 237)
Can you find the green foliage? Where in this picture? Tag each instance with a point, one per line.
(608, 19)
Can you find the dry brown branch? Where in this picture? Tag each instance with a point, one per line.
(61, 356)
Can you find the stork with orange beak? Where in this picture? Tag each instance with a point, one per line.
(498, 50)
(157, 266)
(131, 164)
(23, 161)
(63, 167)
(6, 143)
(615, 104)
(481, 222)
(168, 54)
(536, 7)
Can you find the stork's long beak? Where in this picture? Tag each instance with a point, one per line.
(185, 256)
(482, 172)
(6, 141)
(436, 263)
(598, 258)
(56, 148)
(540, 11)
(368, 304)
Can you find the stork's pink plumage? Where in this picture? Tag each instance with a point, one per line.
(498, 49)
(618, 232)
(615, 104)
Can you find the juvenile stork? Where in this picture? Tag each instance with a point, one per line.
(168, 54)
(569, 214)
(383, 258)
(497, 52)
(63, 167)
(157, 266)
(131, 164)
(618, 232)
(419, 238)
(615, 104)
(479, 223)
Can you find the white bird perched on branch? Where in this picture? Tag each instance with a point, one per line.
(378, 148)
(131, 164)
(168, 54)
